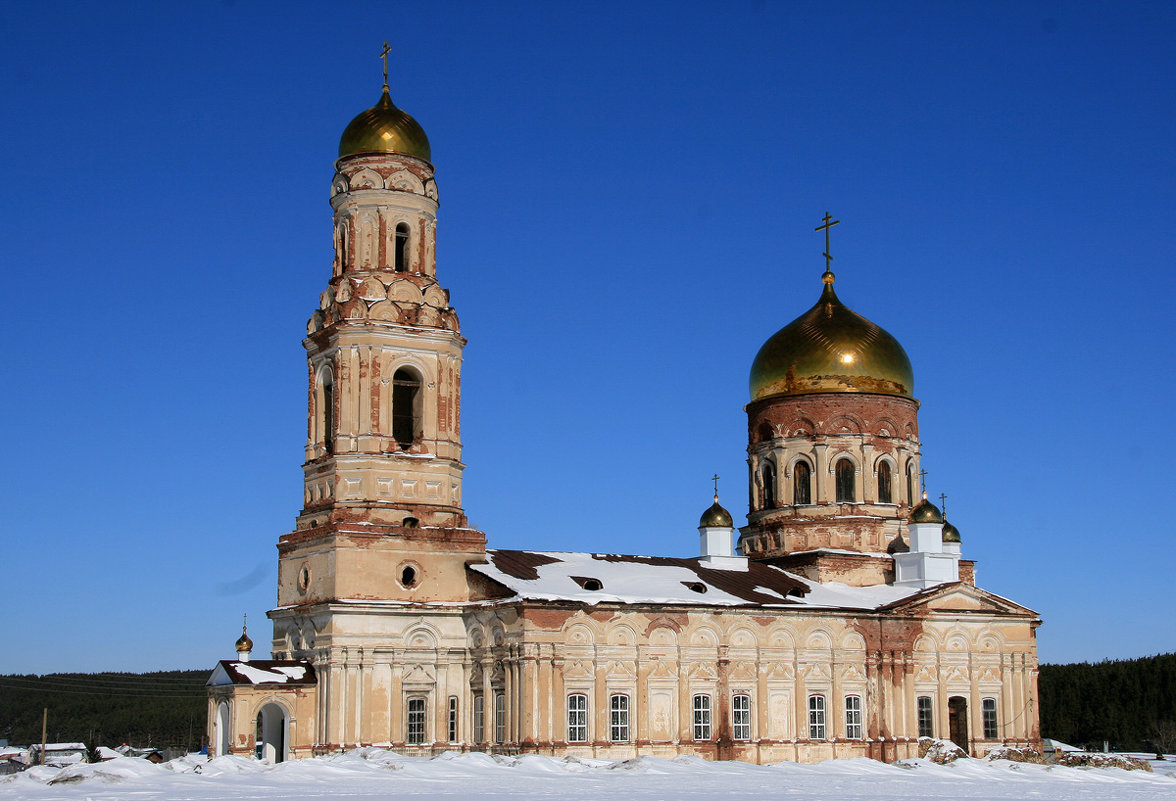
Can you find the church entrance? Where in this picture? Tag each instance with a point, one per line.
(957, 720)
(272, 727)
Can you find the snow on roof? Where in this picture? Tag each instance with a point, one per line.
(613, 578)
(262, 671)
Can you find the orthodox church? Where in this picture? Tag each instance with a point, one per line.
(841, 621)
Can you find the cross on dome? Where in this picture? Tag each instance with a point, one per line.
(829, 223)
(384, 55)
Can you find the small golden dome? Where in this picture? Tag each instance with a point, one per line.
(716, 517)
(950, 532)
(926, 512)
(244, 644)
(831, 348)
(383, 128)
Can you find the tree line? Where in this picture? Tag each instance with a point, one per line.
(166, 709)
(1128, 703)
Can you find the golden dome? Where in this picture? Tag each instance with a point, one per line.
(831, 348)
(926, 512)
(716, 517)
(950, 532)
(244, 644)
(383, 128)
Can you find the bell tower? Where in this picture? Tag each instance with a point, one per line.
(382, 519)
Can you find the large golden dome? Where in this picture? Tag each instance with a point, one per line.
(383, 128)
(831, 348)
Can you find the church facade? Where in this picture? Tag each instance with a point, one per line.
(841, 621)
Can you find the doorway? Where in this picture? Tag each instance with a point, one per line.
(222, 737)
(272, 726)
(957, 721)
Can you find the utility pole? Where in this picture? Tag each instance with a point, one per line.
(44, 729)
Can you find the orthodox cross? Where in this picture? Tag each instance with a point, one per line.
(829, 223)
(943, 503)
(384, 55)
(923, 481)
(715, 478)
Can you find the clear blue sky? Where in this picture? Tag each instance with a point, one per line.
(628, 196)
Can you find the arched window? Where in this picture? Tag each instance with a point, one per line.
(844, 470)
(741, 717)
(802, 484)
(768, 477)
(499, 718)
(884, 482)
(853, 717)
(577, 718)
(925, 719)
(327, 416)
(401, 247)
(816, 710)
(910, 482)
(618, 718)
(406, 391)
(702, 717)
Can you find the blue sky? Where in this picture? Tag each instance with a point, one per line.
(628, 197)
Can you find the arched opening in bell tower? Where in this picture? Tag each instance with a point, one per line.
(406, 407)
(401, 262)
(325, 416)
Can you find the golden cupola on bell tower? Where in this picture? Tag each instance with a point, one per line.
(833, 440)
(382, 517)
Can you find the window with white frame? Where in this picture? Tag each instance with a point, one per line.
(618, 718)
(702, 717)
(926, 723)
(816, 710)
(416, 720)
(988, 707)
(741, 717)
(453, 718)
(853, 717)
(479, 719)
(577, 718)
(499, 718)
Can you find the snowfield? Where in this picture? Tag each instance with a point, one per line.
(371, 773)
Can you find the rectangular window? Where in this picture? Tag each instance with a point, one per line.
(618, 718)
(453, 718)
(816, 717)
(853, 717)
(702, 717)
(416, 720)
(988, 706)
(741, 717)
(499, 718)
(926, 727)
(479, 719)
(577, 718)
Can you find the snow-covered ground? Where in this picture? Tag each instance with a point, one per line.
(374, 774)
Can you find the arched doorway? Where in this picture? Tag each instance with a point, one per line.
(273, 724)
(957, 721)
(222, 737)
